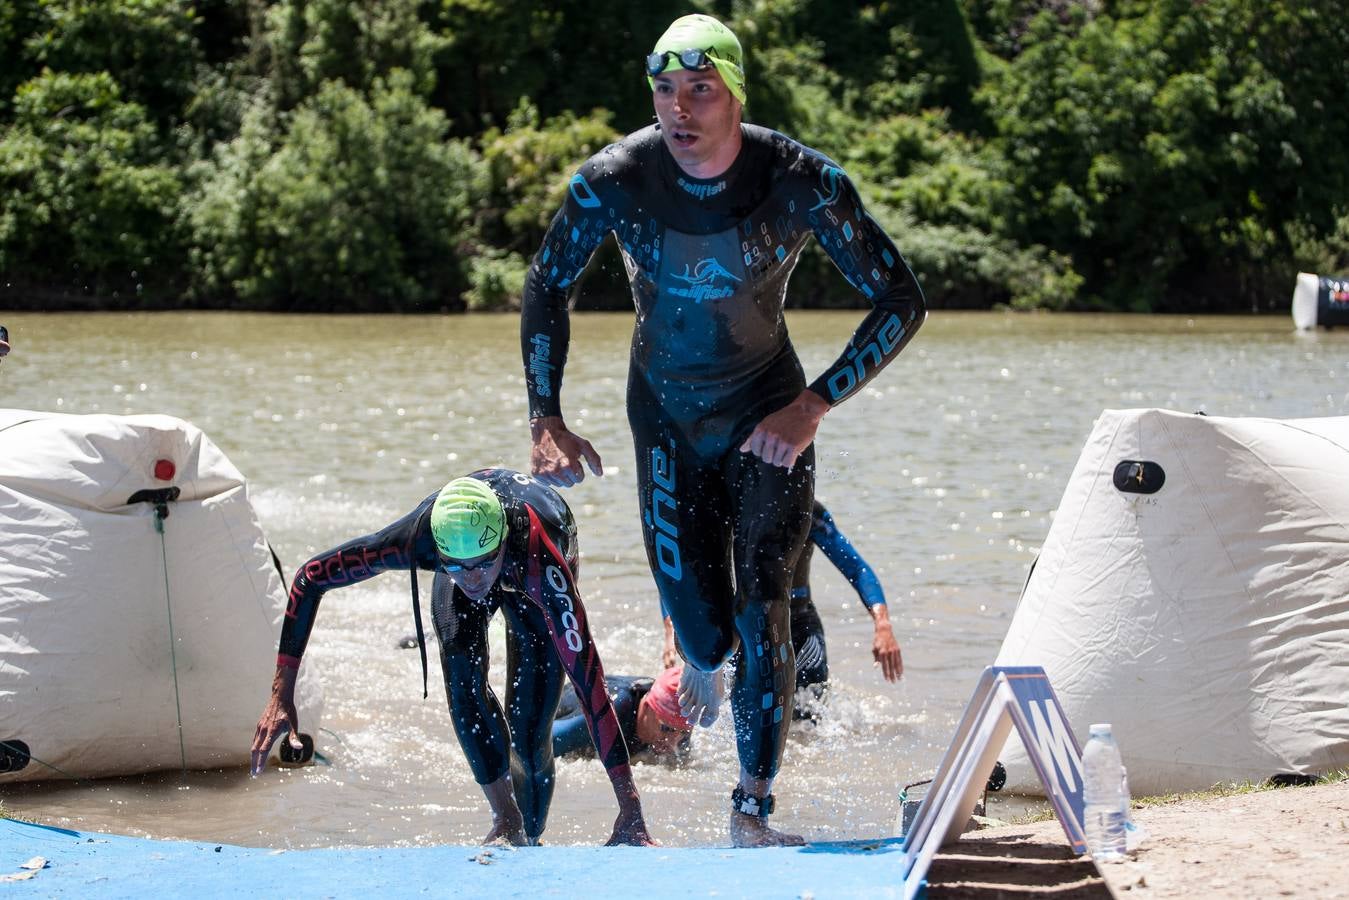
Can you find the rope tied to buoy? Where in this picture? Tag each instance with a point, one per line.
(161, 498)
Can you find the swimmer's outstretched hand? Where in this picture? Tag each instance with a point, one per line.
(557, 454)
(700, 695)
(782, 436)
(277, 719)
(630, 825)
(630, 829)
(884, 647)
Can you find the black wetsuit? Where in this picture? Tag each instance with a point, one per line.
(708, 261)
(547, 635)
(570, 734)
(812, 657)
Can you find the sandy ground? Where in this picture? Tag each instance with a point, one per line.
(1290, 842)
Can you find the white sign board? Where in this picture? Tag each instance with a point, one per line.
(1006, 697)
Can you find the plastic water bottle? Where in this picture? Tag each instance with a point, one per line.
(1105, 807)
(1134, 832)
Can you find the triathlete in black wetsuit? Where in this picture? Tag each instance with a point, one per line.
(711, 216)
(495, 539)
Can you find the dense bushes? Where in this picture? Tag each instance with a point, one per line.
(355, 155)
(358, 205)
(87, 192)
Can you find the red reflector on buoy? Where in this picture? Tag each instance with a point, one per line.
(164, 469)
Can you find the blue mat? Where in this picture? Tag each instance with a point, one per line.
(80, 864)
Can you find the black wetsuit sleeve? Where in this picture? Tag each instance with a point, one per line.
(571, 733)
(545, 328)
(552, 587)
(840, 551)
(868, 259)
(394, 547)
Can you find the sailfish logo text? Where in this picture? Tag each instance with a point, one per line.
(702, 282)
(540, 350)
(702, 191)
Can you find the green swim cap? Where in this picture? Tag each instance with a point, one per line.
(467, 519)
(701, 32)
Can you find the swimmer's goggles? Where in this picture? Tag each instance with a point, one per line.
(693, 59)
(468, 565)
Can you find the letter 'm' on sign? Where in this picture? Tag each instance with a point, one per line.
(1055, 741)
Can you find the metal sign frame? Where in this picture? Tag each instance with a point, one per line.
(1006, 697)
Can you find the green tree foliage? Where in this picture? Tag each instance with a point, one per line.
(84, 181)
(18, 21)
(408, 154)
(562, 55)
(310, 42)
(530, 163)
(947, 198)
(359, 205)
(147, 46)
(1161, 152)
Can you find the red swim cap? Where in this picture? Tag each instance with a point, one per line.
(663, 699)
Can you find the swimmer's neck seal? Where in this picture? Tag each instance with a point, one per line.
(751, 805)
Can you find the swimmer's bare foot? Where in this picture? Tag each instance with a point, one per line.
(700, 695)
(753, 831)
(504, 834)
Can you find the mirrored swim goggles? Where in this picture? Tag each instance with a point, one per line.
(469, 565)
(693, 59)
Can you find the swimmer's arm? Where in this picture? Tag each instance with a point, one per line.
(897, 311)
(350, 563)
(545, 333)
(669, 653)
(571, 734)
(881, 275)
(884, 647)
(587, 677)
(840, 551)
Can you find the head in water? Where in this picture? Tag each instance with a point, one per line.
(660, 724)
(469, 528)
(697, 76)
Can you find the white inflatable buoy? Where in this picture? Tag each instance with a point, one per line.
(1320, 300)
(139, 601)
(1193, 591)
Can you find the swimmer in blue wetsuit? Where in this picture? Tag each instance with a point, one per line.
(495, 539)
(711, 216)
(812, 657)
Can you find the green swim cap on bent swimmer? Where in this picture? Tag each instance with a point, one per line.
(699, 32)
(467, 520)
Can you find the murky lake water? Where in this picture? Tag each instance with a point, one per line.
(945, 473)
